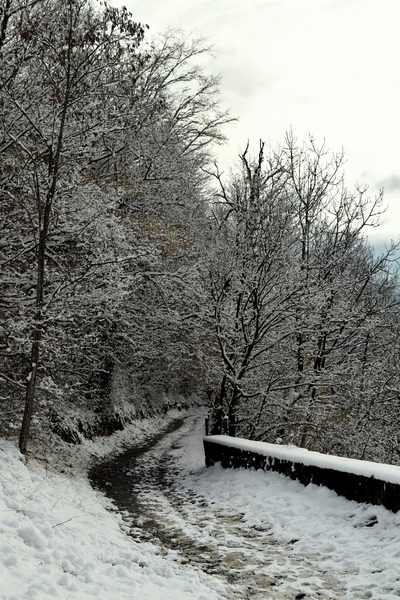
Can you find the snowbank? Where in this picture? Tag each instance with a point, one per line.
(354, 479)
(58, 540)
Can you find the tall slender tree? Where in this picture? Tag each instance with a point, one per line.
(61, 109)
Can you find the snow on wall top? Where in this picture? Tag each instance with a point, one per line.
(381, 471)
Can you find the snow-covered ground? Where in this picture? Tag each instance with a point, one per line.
(58, 540)
(328, 547)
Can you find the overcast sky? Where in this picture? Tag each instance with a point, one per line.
(326, 67)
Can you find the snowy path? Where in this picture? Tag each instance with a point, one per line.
(267, 537)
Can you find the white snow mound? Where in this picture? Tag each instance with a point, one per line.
(57, 540)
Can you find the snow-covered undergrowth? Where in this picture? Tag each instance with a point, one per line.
(78, 458)
(58, 540)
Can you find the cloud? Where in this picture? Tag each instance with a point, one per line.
(390, 184)
(326, 67)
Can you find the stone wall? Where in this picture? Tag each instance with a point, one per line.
(350, 485)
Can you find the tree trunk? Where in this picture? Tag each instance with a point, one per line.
(232, 412)
(37, 333)
(31, 386)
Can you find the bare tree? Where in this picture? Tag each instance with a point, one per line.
(253, 297)
(299, 296)
(344, 285)
(53, 122)
(102, 154)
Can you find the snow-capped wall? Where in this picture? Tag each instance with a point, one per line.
(354, 479)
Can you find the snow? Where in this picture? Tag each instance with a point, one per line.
(58, 540)
(358, 543)
(383, 472)
(61, 539)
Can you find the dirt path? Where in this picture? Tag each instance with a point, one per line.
(188, 528)
(117, 477)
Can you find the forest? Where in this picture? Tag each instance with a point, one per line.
(136, 276)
